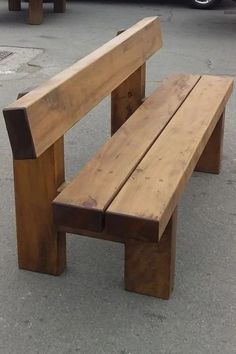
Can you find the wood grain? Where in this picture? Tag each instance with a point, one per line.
(210, 160)
(126, 98)
(35, 12)
(150, 267)
(147, 200)
(81, 205)
(40, 247)
(47, 112)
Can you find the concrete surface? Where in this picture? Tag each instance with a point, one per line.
(86, 310)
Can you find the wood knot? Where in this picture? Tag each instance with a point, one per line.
(90, 203)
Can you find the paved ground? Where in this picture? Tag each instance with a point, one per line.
(86, 310)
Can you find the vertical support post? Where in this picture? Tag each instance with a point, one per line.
(127, 97)
(40, 247)
(35, 12)
(14, 5)
(59, 5)
(210, 160)
(150, 267)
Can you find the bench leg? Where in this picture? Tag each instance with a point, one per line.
(126, 98)
(35, 12)
(210, 160)
(59, 5)
(14, 5)
(150, 267)
(40, 247)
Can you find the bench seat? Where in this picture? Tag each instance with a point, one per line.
(82, 204)
(132, 186)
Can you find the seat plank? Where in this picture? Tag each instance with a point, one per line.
(146, 202)
(40, 118)
(81, 205)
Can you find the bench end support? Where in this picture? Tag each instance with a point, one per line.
(210, 160)
(149, 266)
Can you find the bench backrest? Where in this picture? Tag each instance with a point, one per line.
(38, 119)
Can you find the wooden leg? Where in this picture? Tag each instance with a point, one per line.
(126, 98)
(210, 161)
(59, 5)
(150, 267)
(14, 5)
(40, 247)
(35, 12)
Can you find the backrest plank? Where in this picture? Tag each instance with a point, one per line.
(146, 202)
(47, 112)
(83, 202)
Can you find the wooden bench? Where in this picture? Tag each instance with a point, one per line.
(129, 191)
(36, 9)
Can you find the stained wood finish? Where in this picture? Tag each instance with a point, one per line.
(81, 205)
(126, 98)
(92, 234)
(59, 5)
(14, 5)
(47, 112)
(147, 200)
(40, 247)
(210, 160)
(35, 12)
(150, 267)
